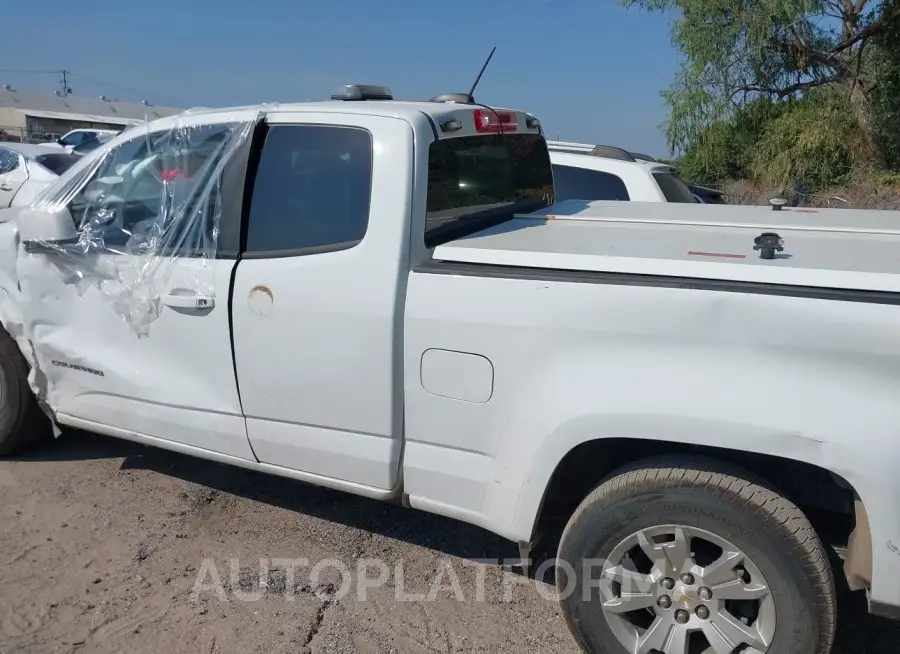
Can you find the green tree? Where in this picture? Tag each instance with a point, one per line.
(738, 51)
(723, 151)
(883, 65)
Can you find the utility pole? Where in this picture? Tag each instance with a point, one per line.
(65, 82)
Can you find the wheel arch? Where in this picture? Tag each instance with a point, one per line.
(829, 500)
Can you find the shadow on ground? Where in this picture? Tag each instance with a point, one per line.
(858, 632)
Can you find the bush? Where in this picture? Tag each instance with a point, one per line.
(816, 142)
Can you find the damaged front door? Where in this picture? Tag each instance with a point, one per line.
(129, 317)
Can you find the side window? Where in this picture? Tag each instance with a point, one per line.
(73, 139)
(9, 161)
(572, 183)
(312, 190)
(674, 190)
(142, 192)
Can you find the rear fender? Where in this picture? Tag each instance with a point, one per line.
(838, 414)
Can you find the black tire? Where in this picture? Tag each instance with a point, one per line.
(22, 423)
(772, 531)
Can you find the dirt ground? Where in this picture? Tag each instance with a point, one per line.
(107, 546)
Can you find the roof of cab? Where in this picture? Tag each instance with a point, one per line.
(391, 108)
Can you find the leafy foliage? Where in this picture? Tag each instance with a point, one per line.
(884, 70)
(815, 142)
(783, 91)
(723, 150)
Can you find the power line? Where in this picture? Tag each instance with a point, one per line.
(20, 71)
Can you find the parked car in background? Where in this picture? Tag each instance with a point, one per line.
(26, 168)
(82, 138)
(583, 171)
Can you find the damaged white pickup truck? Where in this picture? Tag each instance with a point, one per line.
(382, 297)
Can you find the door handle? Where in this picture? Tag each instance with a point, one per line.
(183, 298)
(4, 187)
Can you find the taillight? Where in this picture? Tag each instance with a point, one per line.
(497, 122)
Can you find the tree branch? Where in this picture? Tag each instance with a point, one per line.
(873, 29)
(783, 92)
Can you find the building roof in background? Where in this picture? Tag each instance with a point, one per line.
(95, 109)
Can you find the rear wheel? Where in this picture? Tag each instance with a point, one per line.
(21, 420)
(679, 557)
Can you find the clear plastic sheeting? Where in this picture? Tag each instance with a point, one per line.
(138, 209)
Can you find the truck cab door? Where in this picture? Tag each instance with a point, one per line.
(317, 303)
(129, 317)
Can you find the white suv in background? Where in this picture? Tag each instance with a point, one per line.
(588, 172)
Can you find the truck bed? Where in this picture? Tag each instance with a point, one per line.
(829, 248)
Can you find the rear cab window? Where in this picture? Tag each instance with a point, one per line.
(673, 189)
(478, 181)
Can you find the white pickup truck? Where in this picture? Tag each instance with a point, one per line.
(382, 297)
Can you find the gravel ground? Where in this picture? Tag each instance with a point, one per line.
(111, 547)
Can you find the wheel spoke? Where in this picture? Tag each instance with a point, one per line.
(663, 637)
(721, 570)
(736, 589)
(671, 558)
(629, 602)
(679, 552)
(632, 581)
(678, 640)
(725, 632)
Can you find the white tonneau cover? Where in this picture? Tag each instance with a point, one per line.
(832, 248)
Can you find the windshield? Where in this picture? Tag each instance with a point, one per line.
(477, 181)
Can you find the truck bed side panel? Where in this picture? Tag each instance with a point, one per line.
(805, 378)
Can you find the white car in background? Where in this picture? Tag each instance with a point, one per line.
(583, 171)
(82, 139)
(26, 168)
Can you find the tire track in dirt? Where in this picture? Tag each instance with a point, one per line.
(147, 613)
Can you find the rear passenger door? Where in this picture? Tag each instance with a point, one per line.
(572, 183)
(317, 300)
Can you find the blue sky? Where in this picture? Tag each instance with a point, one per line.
(591, 70)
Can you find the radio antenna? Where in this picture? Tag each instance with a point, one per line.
(478, 79)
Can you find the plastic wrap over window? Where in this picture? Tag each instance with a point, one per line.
(146, 215)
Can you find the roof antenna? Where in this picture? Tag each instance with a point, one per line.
(481, 72)
(465, 98)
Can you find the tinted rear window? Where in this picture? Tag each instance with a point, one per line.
(582, 184)
(475, 181)
(674, 189)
